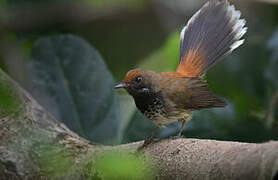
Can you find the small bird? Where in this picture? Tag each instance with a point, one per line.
(165, 97)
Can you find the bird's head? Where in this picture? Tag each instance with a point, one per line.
(139, 82)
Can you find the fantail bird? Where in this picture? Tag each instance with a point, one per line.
(211, 33)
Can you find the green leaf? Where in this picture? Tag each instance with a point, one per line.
(123, 165)
(166, 58)
(70, 79)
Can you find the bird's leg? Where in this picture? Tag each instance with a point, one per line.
(150, 137)
(182, 126)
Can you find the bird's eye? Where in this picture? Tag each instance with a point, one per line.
(138, 79)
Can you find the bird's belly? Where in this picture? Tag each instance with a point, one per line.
(162, 120)
(155, 109)
(162, 117)
(155, 113)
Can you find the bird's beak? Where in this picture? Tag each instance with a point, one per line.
(121, 85)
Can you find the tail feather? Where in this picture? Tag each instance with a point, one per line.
(212, 33)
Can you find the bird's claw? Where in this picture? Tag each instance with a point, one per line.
(177, 136)
(147, 142)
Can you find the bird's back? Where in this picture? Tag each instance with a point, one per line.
(187, 93)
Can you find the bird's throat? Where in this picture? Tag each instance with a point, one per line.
(151, 105)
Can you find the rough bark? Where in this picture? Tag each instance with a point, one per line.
(33, 145)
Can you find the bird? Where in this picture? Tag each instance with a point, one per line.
(212, 33)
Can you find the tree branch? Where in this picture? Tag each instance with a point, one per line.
(33, 145)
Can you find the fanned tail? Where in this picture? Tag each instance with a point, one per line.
(212, 33)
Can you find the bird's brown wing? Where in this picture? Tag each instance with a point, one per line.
(213, 32)
(189, 93)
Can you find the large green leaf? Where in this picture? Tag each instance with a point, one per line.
(70, 79)
(138, 128)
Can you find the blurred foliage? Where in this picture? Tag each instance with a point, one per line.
(114, 165)
(272, 71)
(69, 78)
(128, 3)
(2, 65)
(165, 58)
(97, 3)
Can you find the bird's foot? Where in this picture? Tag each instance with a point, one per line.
(147, 142)
(179, 135)
(150, 139)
